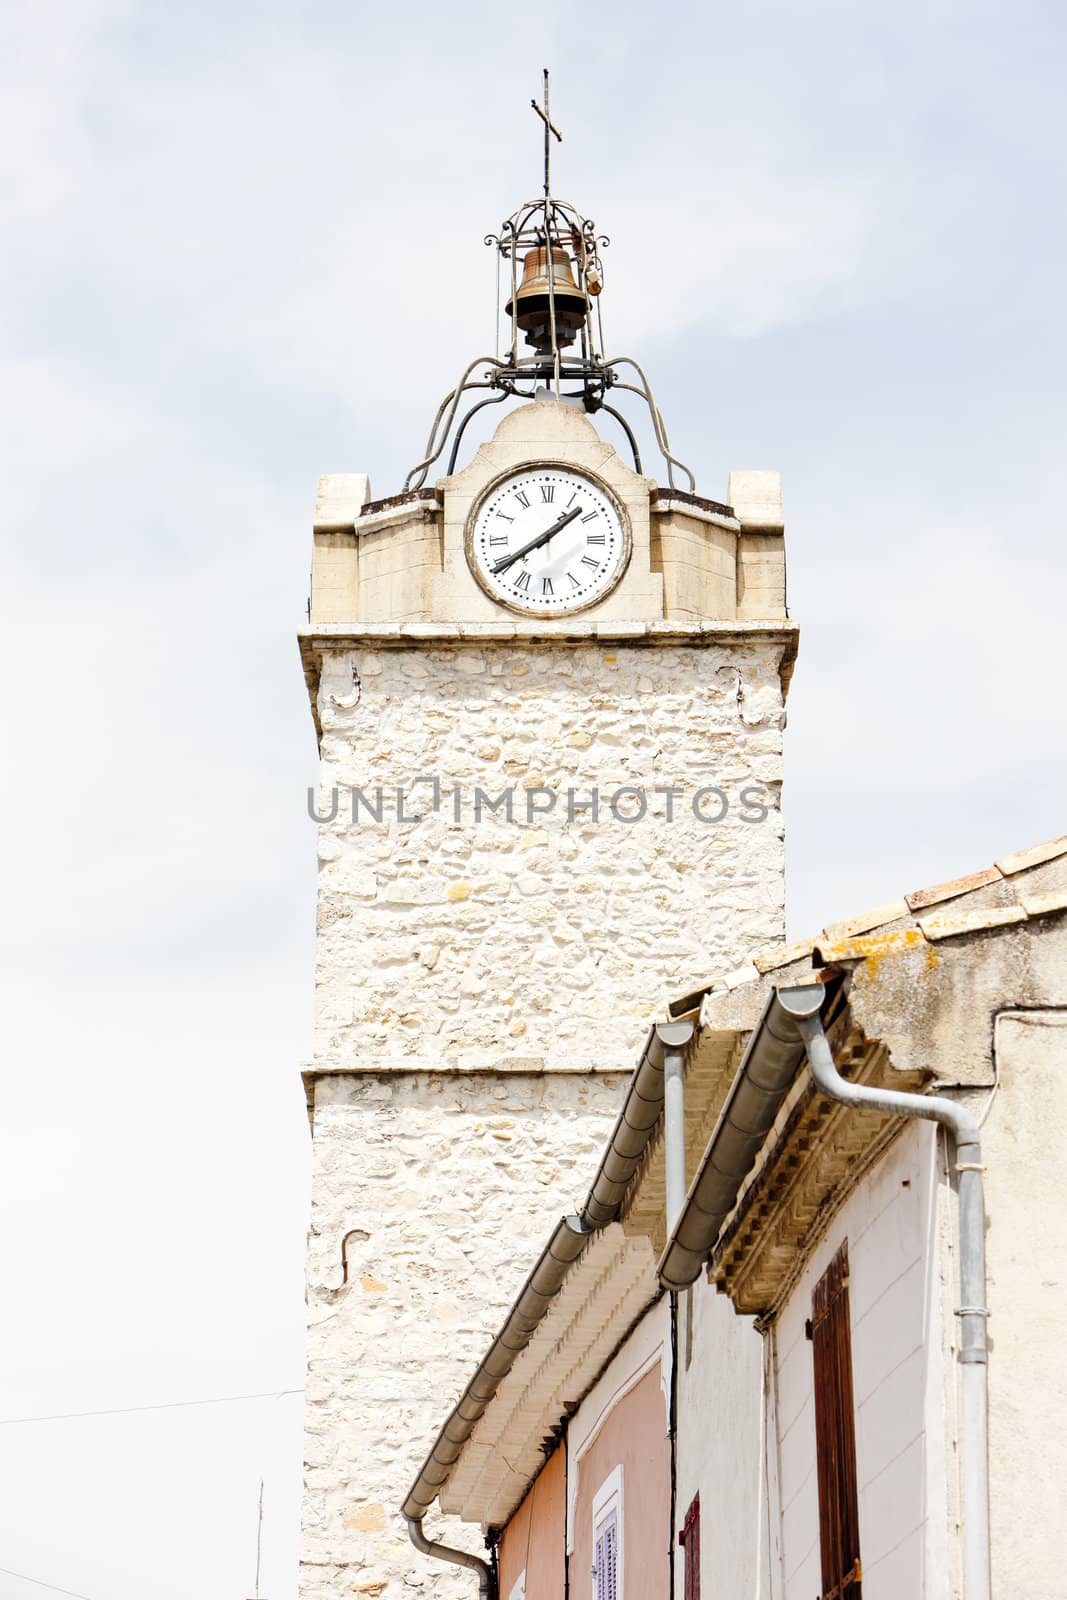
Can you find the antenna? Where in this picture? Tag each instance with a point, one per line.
(259, 1536)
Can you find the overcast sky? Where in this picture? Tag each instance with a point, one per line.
(244, 247)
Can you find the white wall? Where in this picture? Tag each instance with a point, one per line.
(890, 1223)
(721, 1445)
(1027, 1257)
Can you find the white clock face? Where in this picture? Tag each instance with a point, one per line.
(548, 541)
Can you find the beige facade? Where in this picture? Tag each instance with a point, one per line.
(531, 1562)
(484, 966)
(403, 559)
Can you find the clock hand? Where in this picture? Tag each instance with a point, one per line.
(542, 538)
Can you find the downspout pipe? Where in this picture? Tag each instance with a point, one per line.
(804, 1006)
(678, 1035)
(636, 1122)
(456, 1558)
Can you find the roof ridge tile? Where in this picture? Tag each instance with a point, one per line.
(950, 924)
(1037, 853)
(919, 899)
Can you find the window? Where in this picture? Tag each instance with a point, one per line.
(835, 1434)
(689, 1539)
(606, 1558)
(607, 1538)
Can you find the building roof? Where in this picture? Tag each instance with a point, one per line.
(902, 982)
(1011, 890)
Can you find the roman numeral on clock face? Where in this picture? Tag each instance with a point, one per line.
(590, 516)
(523, 581)
(597, 538)
(546, 585)
(522, 497)
(498, 538)
(548, 493)
(590, 561)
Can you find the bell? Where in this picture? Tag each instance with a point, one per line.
(532, 302)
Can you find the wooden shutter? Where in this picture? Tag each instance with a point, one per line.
(689, 1539)
(835, 1434)
(606, 1559)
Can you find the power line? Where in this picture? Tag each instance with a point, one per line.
(42, 1585)
(166, 1405)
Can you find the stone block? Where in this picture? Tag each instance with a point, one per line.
(756, 500)
(698, 560)
(340, 499)
(760, 575)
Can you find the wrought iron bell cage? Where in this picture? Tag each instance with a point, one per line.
(550, 268)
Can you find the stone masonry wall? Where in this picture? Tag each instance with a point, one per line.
(538, 937)
(481, 989)
(446, 1186)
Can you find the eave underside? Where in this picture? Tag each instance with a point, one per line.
(604, 1294)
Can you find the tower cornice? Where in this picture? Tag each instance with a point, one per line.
(328, 638)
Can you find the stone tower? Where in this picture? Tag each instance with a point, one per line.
(548, 805)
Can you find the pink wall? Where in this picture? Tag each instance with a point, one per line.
(535, 1538)
(634, 1436)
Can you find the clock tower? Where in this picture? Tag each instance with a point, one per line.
(548, 688)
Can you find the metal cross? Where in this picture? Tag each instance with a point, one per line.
(550, 128)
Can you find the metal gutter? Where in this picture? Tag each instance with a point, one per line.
(629, 1139)
(770, 1063)
(563, 1249)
